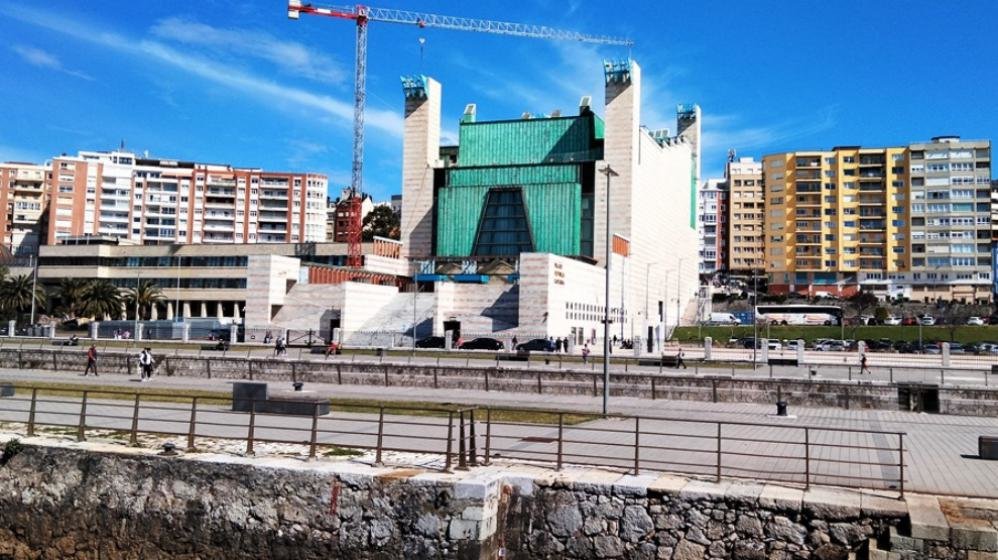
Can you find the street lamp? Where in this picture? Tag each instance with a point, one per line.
(647, 316)
(755, 318)
(609, 172)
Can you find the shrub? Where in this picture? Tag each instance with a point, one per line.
(10, 450)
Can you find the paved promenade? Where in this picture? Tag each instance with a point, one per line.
(941, 451)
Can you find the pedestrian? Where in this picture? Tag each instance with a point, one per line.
(862, 365)
(267, 337)
(557, 344)
(333, 348)
(514, 343)
(679, 359)
(585, 354)
(117, 334)
(550, 344)
(280, 348)
(145, 363)
(564, 344)
(91, 361)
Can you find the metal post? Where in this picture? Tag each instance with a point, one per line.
(719, 452)
(381, 435)
(81, 433)
(901, 463)
(486, 379)
(561, 429)
(891, 370)
(755, 318)
(313, 437)
(252, 428)
(653, 388)
(488, 436)
(193, 423)
(450, 441)
(609, 172)
(637, 446)
(539, 388)
(807, 458)
(31, 413)
(133, 440)
(462, 464)
(473, 447)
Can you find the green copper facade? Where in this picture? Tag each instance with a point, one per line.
(548, 162)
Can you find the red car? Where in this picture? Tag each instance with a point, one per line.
(909, 321)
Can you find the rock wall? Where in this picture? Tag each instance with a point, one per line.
(87, 501)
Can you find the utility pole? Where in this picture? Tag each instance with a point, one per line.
(609, 172)
(34, 287)
(679, 290)
(415, 291)
(755, 317)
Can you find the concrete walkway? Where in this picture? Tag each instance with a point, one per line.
(941, 451)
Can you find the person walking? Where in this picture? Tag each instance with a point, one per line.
(91, 361)
(146, 363)
(679, 359)
(585, 354)
(862, 365)
(514, 341)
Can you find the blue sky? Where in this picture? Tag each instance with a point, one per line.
(237, 82)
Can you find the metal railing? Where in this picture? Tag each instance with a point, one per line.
(796, 455)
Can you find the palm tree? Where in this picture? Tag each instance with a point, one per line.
(70, 294)
(148, 294)
(101, 299)
(16, 294)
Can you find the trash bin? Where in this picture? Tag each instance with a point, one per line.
(781, 408)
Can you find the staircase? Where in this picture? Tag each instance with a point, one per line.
(392, 325)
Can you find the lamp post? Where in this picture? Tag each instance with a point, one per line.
(755, 317)
(609, 172)
(647, 316)
(679, 290)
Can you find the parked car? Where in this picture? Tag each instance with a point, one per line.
(957, 348)
(904, 347)
(892, 320)
(878, 345)
(774, 345)
(791, 345)
(431, 342)
(932, 348)
(535, 345)
(909, 321)
(483, 343)
(926, 320)
(975, 321)
(867, 320)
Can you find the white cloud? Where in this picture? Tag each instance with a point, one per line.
(43, 59)
(268, 92)
(288, 56)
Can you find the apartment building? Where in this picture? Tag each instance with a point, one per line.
(23, 196)
(910, 221)
(340, 213)
(746, 212)
(159, 201)
(951, 219)
(711, 225)
(834, 218)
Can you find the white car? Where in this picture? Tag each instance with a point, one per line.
(892, 321)
(926, 320)
(775, 346)
(975, 321)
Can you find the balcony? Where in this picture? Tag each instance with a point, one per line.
(227, 193)
(216, 226)
(219, 182)
(803, 175)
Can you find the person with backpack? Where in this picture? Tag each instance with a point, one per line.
(91, 361)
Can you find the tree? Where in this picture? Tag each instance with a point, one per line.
(148, 294)
(70, 295)
(862, 302)
(381, 222)
(101, 299)
(16, 294)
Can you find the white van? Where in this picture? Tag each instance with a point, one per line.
(723, 319)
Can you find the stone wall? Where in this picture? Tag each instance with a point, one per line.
(88, 500)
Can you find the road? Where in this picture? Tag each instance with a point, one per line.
(940, 450)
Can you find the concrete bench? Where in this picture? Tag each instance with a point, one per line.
(783, 362)
(6, 390)
(296, 403)
(987, 447)
(994, 369)
(519, 356)
(245, 395)
(664, 361)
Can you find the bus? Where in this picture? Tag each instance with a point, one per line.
(799, 314)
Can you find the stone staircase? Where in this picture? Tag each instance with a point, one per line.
(938, 525)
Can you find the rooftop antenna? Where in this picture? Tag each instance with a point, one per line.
(422, 42)
(121, 146)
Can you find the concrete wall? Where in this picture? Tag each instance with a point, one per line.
(111, 502)
(420, 154)
(267, 282)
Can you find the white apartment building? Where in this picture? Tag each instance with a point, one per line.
(712, 240)
(160, 201)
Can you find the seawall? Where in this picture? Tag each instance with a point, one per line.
(68, 500)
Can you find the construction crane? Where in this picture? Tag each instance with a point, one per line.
(364, 14)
